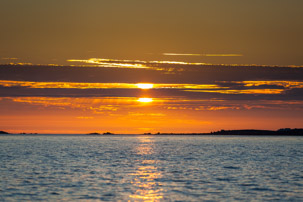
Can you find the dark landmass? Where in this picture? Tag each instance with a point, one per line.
(107, 133)
(6, 133)
(284, 131)
(93, 134)
(280, 132)
(252, 132)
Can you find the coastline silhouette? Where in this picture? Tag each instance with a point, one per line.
(279, 132)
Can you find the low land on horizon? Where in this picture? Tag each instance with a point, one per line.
(280, 132)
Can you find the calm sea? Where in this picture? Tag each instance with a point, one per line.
(150, 168)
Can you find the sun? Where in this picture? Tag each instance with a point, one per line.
(145, 100)
(145, 85)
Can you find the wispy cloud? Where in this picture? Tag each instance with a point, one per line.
(136, 64)
(77, 85)
(113, 63)
(245, 91)
(173, 89)
(285, 84)
(9, 58)
(130, 111)
(204, 54)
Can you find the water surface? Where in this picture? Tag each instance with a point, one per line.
(151, 168)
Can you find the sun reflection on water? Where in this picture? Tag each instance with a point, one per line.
(146, 175)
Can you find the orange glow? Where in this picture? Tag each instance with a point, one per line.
(127, 115)
(137, 67)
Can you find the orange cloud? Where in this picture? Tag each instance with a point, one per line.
(285, 84)
(75, 85)
(246, 91)
(205, 55)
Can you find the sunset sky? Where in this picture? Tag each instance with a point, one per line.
(133, 66)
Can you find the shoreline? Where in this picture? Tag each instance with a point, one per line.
(250, 132)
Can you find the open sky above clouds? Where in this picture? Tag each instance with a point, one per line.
(132, 66)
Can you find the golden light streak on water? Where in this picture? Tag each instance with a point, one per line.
(147, 188)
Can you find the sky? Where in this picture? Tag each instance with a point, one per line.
(130, 66)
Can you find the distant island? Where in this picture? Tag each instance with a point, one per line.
(107, 133)
(93, 134)
(283, 131)
(280, 132)
(6, 133)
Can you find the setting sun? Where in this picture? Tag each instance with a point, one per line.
(145, 85)
(146, 100)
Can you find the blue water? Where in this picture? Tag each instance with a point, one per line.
(150, 168)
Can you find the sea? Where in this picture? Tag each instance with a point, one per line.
(150, 168)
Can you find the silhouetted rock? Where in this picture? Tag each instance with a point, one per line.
(94, 134)
(3, 132)
(285, 131)
(108, 133)
(288, 131)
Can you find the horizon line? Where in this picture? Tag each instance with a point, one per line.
(150, 133)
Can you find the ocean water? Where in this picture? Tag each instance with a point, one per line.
(150, 168)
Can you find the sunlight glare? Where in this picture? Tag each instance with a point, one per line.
(145, 100)
(145, 85)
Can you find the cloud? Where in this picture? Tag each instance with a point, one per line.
(246, 91)
(112, 63)
(226, 90)
(285, 84)
(9, 58)
(159, 109)
(189, 87)
(78, 85)
(203, 55)
(170, 73)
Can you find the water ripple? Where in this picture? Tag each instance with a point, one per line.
(148, 168)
